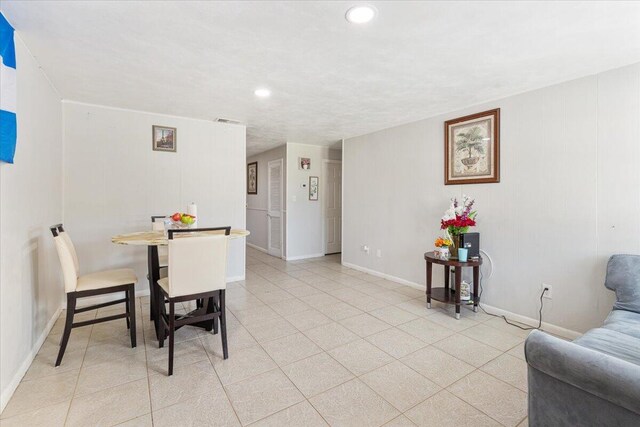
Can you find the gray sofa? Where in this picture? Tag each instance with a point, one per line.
(594, 380)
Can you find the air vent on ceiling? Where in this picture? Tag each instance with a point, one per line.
(228, 121)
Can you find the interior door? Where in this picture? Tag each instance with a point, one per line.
(333, 207)
(274, 208)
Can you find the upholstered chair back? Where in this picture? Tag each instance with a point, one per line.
(197, 264)
(623, 277)
(68, 262)
(157, 224)
(72, 250)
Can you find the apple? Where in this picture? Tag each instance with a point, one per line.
(176, 217)
(188, 219)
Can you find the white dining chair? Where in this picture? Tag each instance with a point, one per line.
(197, 271)
(88, 285)
(157, 224)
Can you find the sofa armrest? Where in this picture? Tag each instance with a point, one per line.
(602, 375)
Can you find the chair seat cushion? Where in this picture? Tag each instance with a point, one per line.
(625, 322)
(613, 343)
(106, 279)
(164, 284)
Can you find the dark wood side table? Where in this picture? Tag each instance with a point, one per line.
(445, 294)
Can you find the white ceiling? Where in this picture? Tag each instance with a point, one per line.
(330, 79)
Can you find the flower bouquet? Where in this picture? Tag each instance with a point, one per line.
(457, 220)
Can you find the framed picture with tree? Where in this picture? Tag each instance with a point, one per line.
(472, 149)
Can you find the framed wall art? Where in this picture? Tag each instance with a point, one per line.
(305, 163)
(164, 138)
(252, 178)
(472, 149)
(313, 188)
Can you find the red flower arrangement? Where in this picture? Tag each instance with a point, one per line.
(458, 222)
(459, 217)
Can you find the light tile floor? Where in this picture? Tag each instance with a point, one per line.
(311, 343)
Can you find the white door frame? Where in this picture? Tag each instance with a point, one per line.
(323, 204)
(281, 163)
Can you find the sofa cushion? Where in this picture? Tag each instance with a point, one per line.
(616, 344)
(623, 277)
(625, 322)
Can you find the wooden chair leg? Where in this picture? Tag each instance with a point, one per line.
(71, 308)
(214, 321)
(171, 334)
(126, 305)
(131, 311)
(161, 331)
(223, 324)
(160, 312)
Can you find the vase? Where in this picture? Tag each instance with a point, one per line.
(453, 249)
(442, 253)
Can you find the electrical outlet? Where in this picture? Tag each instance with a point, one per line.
(549, 292)
(379, 253)
(365, 249)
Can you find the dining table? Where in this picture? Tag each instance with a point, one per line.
(153, 239)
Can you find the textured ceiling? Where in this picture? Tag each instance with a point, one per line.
(330, 79)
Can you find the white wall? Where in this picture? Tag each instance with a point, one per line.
(30, 200)
(257, 203)
(304, 217)
(114, 181)
(569, 196)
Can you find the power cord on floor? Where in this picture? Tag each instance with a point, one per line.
(524, 328)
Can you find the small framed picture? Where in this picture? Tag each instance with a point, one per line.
(313, 188)
(164, 138)
(252, 178)
(472, 149)
(305, 163)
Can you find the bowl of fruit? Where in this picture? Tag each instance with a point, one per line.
(183, 219)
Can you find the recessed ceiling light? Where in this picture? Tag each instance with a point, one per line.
(262, 93)
(360, 14)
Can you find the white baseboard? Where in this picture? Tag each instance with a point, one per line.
(548, 327)
(384, 276)
(296, 258)
(256, 247)
(15, 381)
(235, 278)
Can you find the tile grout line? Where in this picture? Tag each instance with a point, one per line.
(393, 326)
(73, 395)
(224, 390)
(289, 379)
(354, 376)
